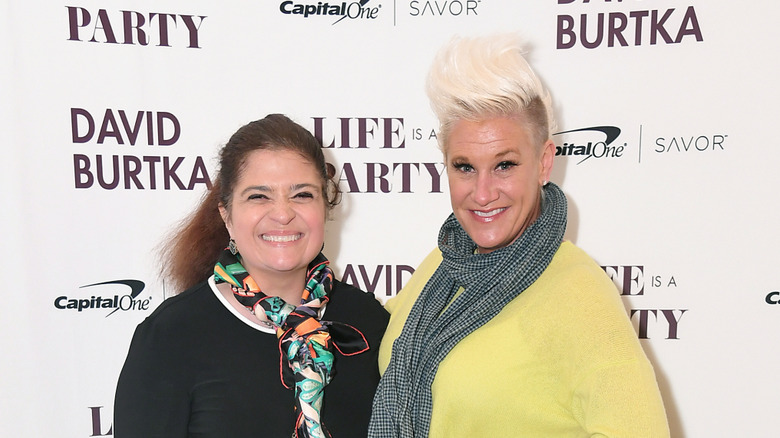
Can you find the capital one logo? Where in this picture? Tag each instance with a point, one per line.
(592, 142)
(114, 301)
(353, 10)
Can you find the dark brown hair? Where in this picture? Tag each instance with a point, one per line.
(197, 242)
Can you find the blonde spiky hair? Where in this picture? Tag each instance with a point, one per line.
(479, 78)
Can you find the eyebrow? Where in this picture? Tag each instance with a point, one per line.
(268, 189)
(499, 155)
(505, 153)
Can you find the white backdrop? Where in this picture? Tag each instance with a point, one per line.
(112, 113)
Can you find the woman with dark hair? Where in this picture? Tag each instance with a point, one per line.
(206, 362)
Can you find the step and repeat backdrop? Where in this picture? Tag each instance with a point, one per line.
(112, 113)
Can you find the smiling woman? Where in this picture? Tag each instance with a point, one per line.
(505, 329)
(277, 219)
(495, 171)
(261, 314)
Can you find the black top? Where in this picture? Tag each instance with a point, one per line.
(196, 370)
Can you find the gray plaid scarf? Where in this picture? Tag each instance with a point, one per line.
(402, 405)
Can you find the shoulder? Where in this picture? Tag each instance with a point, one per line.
(347, 295)
(180, 312)
(408, 295)
(431, 261)
(574, 270)
(400, 305)
(183, 302)
(570, 256)
(578, 285)
(356, 307)
(576, 296)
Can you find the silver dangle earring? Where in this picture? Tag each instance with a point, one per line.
(232, 246)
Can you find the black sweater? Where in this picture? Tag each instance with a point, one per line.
(195, 370)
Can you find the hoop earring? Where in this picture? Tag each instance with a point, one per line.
(232, 246)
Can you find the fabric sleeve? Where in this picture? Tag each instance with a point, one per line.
(149, 400)
(400, 305)
(614, 388)
(621, 400)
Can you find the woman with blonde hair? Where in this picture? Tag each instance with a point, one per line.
(506, 329)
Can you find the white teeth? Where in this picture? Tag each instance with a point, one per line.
(489, 213)
(285, 238)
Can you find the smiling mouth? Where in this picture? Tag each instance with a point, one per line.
(490, 213)
(282, 238)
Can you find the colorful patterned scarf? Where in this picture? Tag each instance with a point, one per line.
(305, 342)
(439, 320)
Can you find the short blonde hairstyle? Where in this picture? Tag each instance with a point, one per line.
(480, 78)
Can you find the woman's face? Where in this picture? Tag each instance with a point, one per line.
(277, 214)
(495, 172)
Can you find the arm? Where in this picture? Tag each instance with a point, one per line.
(614, 388)
(151, 399)
(621, 400)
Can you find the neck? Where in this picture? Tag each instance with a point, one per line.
(285, 285)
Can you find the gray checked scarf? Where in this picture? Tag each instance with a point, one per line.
(436, 323)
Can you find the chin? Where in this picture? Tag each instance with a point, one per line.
(287, 267)
(492, 241)
(488, 244)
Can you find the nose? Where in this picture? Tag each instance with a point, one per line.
(485, 190)
(282, 212)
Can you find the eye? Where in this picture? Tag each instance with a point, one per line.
(506, 165)
(257, 196)
(463, 167)
(304, 195)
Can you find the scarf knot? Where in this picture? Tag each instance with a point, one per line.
(305, 343)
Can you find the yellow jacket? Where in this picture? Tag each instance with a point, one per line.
(560, 360)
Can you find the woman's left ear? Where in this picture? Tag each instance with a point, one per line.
(225, 216)
(547, 158)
